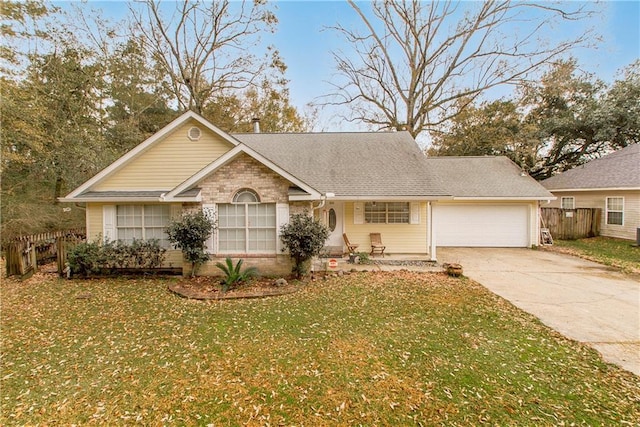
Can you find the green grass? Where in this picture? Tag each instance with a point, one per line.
(363, 349)
(605, 250)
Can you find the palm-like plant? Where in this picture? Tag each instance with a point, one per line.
(234, 275)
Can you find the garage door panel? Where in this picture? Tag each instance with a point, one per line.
(482, 225)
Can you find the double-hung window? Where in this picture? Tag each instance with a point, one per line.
(142, 222)
(615, 210)
(568, 203)
(247, 226)
(386, 213)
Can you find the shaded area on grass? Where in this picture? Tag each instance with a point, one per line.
(367, 348)
(617, 253)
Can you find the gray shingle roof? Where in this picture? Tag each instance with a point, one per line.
(620, 169)
(363, 164)
(485, 177)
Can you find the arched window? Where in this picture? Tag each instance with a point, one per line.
(246, 196)
(247, 226)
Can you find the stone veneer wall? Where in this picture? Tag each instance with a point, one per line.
(244, 172)
(222, 185)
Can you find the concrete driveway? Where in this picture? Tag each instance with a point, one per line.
(582, 300)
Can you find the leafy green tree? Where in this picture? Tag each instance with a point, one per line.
(190, 233)
(269, 102)
(304, 237)
(560, 123)
(22, 32)
(52, 139)
(621, 107)
(139, 102)
(65, 86)
(579, 118)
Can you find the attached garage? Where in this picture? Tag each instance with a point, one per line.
(482, 225)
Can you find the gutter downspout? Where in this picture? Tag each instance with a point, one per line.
(323, 201)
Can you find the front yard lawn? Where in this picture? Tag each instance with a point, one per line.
(364, 349)
(617, 253)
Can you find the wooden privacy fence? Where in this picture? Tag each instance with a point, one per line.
(20, 258)
(23, 254)
(570, 224)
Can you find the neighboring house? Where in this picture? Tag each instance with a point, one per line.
(356, 183)
(611, 183)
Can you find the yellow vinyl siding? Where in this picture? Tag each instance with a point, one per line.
(398, 238)
(94, 221)
(173, 258)
(598, 199)
(168, 162)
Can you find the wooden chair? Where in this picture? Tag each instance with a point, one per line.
(351, 248)
(376, 244)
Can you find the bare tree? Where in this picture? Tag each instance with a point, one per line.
(416, 60)
(205, 47)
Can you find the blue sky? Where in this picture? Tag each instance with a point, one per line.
(306, 45)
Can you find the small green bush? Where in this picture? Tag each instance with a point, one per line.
(364, 257)
(93, 258)
(85, 259)
(234, 275)
(304, 237)
(189, 234)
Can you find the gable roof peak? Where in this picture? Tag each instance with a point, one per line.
(149, 142)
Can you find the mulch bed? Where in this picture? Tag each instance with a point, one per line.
(209, 288)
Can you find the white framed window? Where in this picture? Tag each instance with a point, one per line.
(142, 222)
(615, 210)
(386, 213)
(247, 226)
(568, 203)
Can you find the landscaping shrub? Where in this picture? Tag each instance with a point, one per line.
(189, 234)
(233, 276)
(85, 259)
(364, 258)
(93, 258)
(304, 237)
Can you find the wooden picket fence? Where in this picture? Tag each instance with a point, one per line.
(571, 224)
(23, 254)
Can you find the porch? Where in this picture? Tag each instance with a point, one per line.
(392, 262)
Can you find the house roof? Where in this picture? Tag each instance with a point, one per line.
(486, 178)
(186, 186)
(351, 165)
(618, 170)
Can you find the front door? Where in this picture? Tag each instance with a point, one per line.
(332, 217)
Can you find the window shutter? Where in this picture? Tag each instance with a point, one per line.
(414, 213)
(358, 213)
(109, 231)
(210, 212)
(282, 218)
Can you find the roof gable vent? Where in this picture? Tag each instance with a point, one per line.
(194, 133)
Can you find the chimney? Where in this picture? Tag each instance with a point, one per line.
(256, 125)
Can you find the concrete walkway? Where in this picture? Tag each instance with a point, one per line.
(582, 300)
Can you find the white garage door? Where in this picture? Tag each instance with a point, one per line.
(481, 225)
